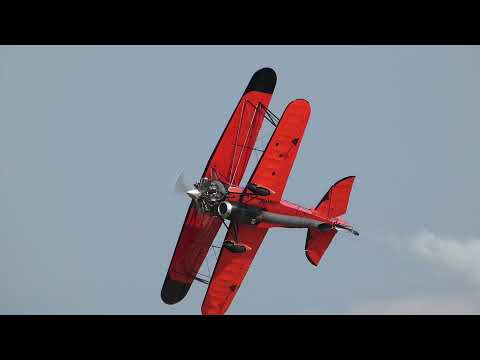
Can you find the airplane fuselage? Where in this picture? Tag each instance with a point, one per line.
(258, 210)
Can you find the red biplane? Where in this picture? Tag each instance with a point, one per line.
(253, 209)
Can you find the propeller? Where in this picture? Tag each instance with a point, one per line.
(182, 187)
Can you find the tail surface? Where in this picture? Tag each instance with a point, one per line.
(335, 202)
(317, 243)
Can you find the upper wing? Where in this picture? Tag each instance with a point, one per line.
(228, 163)
(274, 167)
(230, 269)
(194, 242)
(230, 157)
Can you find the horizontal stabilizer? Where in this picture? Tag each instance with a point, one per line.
(317, 243)
(335, 202)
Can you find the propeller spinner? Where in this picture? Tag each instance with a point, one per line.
(206, 194)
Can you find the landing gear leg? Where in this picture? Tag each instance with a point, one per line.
(234, 245)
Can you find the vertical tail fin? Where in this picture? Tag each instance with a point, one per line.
(335, 202)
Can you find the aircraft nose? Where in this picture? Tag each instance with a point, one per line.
(194, 194)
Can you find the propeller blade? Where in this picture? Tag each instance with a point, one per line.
(181, 186)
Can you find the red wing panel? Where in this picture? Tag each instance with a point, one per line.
(335, 201)
(232, 153)
(274, 167)
(228, 163)
(317, 243)
(231, 269)
(197, 235)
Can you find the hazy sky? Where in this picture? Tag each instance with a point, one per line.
(92, 138)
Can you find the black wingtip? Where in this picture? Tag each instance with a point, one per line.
(263, 80)
(173, 291)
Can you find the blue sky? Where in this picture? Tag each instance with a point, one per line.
(94, 136)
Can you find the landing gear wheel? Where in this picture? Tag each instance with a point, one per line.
(236, 248)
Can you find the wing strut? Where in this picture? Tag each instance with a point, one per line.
(269, 115)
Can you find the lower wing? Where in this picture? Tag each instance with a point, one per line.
(231, 268)
(273, 169)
